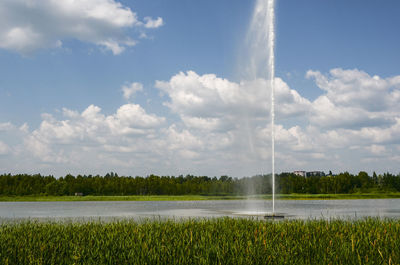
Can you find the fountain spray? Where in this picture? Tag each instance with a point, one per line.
(261, 62)
(271, 70)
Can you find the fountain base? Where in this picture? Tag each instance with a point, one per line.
(265, 215)
(274, 216)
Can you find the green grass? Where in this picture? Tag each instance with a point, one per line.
(352, 196)
(339, 196)
(119, 198)
(203, 197)
(202, 241)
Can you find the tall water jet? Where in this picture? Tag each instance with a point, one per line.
(261, 62)
(271, 68)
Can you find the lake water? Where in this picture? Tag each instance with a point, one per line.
(292, 209)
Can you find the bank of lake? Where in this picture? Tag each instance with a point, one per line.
(203, 197)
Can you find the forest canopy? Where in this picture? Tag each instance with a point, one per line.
(113, 184)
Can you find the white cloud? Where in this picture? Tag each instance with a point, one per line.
(354, 99)
(183, 139)
(24, 128)
(230, 119)
(114, 46)
(153, 23)
(6, 126)
(131, 89)
(328, 114)
(223, 127)
(4, 148)
(202, 123)
(209, 96)
(355, 115)
(29, 25)
(376, 149)
(55, 139)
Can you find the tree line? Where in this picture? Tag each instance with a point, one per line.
(112, 184)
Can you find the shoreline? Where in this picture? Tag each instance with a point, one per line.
(200, 197)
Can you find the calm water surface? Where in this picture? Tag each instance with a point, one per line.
(296, 209)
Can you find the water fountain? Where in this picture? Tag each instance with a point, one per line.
(271, 70)
(261, 65)
(262, 32)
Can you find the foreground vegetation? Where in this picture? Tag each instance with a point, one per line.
(114, 185)
(202, 241)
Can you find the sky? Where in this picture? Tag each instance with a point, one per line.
(145, 87)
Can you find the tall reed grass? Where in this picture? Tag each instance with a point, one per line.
(202, 241)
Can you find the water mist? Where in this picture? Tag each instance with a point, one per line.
(271, 68)
(261, 62)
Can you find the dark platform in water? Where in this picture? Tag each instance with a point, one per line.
(274, 216)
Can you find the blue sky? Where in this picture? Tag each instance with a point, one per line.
(63, 69)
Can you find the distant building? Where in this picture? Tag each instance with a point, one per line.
(309, 173)
(78, 194)
(300, 173)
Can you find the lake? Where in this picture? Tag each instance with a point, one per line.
(292, 209)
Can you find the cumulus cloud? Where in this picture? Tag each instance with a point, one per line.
(208, 101)
(90, 128)
(354, 110)
(4, 149)
(223, 127)
(153, 23)
(130, 89)
(353, 98)
(357, 88)
(376, 149)
(231, 120)
(6, 126)
(29, 25)
(24, 128)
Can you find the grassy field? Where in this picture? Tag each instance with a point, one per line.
(339, 196)
(119, 198)
(202, 241)
(203, 197)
